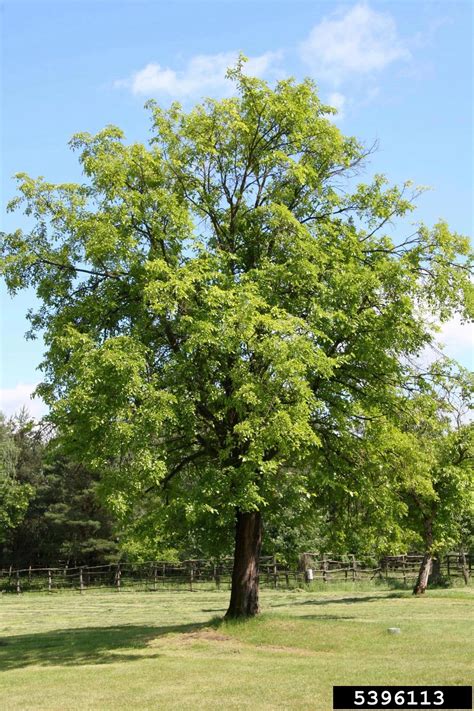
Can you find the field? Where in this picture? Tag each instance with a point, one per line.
(109, 650)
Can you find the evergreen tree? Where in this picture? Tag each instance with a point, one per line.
(61, 519)
(14, 493)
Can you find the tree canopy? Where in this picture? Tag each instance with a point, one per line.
(14, 494)
(226, 306)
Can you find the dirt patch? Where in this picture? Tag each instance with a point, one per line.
(229, 644)
(186, 638)
(210, 635)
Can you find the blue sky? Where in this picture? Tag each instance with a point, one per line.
(400, 73)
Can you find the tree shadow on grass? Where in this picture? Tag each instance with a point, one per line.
(85, 645)
(355, 600)
(346, 600)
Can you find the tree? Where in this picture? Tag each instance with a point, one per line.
(403, 480)
(57, 514)
(14, 495)
(440, 503)
(362, 473)
(78, 529)
(218, 303)
(62, 521)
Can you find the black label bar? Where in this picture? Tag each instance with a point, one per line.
(402, 697)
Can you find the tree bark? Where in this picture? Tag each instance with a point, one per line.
(248, 542)
(427, 562)
(464, 567)
(423, 575)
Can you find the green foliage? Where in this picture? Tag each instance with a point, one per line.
(143, 547)
(221, 311)
(78, 529)
(441, 505)
(14, 495)
(52, 504)
(360, 477)
(404, 482)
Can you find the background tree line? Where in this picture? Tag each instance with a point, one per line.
(48, 503)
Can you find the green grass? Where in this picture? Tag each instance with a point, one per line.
(106, 650)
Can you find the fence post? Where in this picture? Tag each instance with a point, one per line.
(18, 587)
(216, 576)
(155, 573)
(353, 568)
(447, 561)
(118, 576)
(191, 576)
(275, 572)
(50, 580)
(29, 575)
(81, 581)
(404, 568)
(325, 569)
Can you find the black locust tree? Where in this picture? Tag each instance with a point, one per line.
(216, 302)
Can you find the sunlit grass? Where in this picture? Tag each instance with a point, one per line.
(172, 651)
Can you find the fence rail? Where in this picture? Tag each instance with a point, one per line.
(209, 574)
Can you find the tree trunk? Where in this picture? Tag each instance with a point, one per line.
(427, 562)
(423, 575)
(248, 542)
(464, 567)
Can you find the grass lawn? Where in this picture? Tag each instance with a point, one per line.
(163, 650)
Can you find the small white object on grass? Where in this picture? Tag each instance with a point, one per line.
(394, 630)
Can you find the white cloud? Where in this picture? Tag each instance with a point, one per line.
(13, 399)
(361, 41)
(428, 36)
(453, 338)
(457, 339)
(203, 73)
(337, 101)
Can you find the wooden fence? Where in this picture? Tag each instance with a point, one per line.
(207, 574)
(403, 568)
